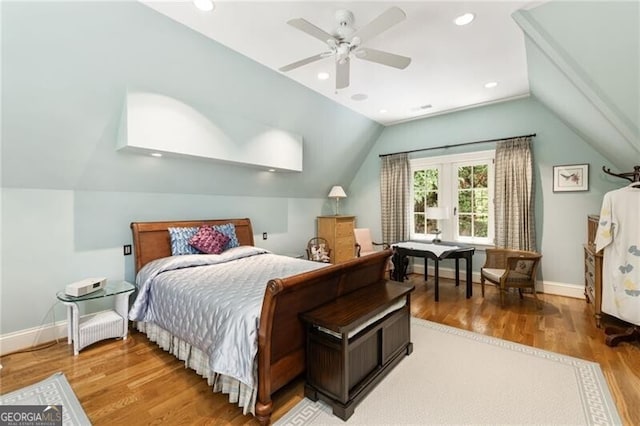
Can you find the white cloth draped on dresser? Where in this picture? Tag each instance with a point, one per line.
(619, 235)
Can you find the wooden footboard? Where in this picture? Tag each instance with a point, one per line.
(281, 341)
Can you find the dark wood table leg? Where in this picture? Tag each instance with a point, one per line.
(469, 279)
(426, 268)
(457, 271)
(436, 276)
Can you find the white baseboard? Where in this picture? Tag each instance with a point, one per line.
(563, 289)
(547, 287)
(30, 337)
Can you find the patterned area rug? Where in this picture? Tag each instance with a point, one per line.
(455, 376)
(54, 390)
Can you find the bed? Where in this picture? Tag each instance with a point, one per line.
(280, 346)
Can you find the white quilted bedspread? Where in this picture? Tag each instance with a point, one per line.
(213, 302)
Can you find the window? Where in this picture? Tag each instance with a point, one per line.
(463, 183)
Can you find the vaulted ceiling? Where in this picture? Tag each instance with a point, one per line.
(449, 68)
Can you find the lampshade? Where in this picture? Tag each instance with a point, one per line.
(337, 192)
(437, 213)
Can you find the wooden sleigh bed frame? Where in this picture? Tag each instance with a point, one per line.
(281, 337)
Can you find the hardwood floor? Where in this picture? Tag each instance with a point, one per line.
(134, 382)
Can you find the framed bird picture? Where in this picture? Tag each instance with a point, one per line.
(571, 177)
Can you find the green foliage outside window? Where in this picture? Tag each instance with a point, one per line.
(473, 201)
(425, 194)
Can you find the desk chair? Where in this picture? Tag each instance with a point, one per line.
(365, 245)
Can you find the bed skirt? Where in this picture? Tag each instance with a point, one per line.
(197, 360)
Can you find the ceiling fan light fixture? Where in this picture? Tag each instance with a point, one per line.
(345, 43)
(323, 76)
(465, 19)
(204, 5)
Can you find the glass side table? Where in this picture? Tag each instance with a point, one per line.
(103, 325)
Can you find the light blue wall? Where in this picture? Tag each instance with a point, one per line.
(583, 62)
(68, 197)
(66, 69)
(53, 237)
(604, 40)
(561, 217)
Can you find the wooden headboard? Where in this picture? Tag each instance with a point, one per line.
(151, 239)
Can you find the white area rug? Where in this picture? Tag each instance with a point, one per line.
(455, 376)
(54, 390)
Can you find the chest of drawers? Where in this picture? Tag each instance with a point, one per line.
(593, 270)
(338, 231)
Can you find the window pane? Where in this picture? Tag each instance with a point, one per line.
(418, 180)
(464, 225)
(480, 176)
(432, 199)
(418, 221)
(481, 226)
(432, 225)
(418, 202)
(431, 179)
(464, 201)
(464, 177)
(481, 201)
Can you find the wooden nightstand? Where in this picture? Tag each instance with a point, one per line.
(354, 341)
(103, 325)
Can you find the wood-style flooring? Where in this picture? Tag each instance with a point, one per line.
(133, 382)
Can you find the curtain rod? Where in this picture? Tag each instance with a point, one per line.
(458, 144)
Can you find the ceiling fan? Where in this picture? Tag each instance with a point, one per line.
(347, 43)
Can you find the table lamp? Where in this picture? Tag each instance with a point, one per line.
(438, 213)
(337, 192)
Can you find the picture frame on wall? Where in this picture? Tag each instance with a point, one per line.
(571, 178)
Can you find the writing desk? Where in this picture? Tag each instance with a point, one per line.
(436, 252)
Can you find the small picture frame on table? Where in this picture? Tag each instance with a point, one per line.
(571, 178)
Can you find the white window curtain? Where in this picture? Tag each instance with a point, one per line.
(514, 195)
(395, 197)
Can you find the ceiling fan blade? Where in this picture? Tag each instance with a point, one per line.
(302, 62)
(379, 25)
(307, 27)
(342, 73)
(384, 58)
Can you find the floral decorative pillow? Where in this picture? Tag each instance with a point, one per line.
(524, 267)
(180, 241)
(229, 230)
(208, 240)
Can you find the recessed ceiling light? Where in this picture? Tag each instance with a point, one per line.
(383, 111)
(491, 84)
(272, 170)
(323, 75)
(464, 19)
(359, 97)
(156, 154)
(204, 5)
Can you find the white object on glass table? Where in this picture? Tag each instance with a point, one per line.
(112, 323)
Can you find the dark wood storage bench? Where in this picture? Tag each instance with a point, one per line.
(344, 360)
